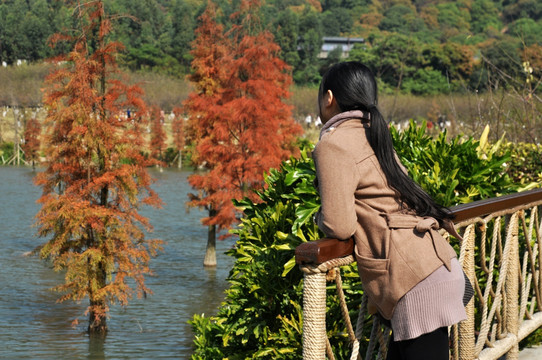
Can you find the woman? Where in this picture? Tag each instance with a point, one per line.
(409, 271)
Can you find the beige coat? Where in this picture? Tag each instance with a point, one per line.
(394, 250)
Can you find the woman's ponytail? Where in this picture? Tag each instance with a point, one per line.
(355, 88)
(409, 191)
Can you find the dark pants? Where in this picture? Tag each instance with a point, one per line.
(431, 346)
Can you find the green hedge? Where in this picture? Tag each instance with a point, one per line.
(525, 165)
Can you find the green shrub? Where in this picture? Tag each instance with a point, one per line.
(426, 82)
(171, 157)
(261, 317)
(525, 165)
(6, 151)
(457, 171)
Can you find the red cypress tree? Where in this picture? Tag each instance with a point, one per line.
(158, 134)
(31, 144)
(247, 126)
(96, 178)
(211, 52)
(177, 130)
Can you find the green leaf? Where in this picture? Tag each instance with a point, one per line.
(292, 176)
(288, 266)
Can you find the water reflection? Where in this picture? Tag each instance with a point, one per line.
(34, 326)
(96, 347)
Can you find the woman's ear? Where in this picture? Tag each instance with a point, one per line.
(328, 98)
(328, 106)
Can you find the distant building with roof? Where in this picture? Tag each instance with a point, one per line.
(331, 43)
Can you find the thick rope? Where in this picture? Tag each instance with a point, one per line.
(383, 337)
(538, 230)
(344, 307)
(466, 328)
(493, 332)
(506, 261)
(483, 242)
(525, 287)
(314, 308)
(359, 327)
(485, 321)
(371, 347)
(512, 211)
(314, 316)
(325, 266)
(361, 316)
(329, 350)
(523, 277)
(536, 254)
(528, 236)
(355, 350)
(512, 286)
(455, 343)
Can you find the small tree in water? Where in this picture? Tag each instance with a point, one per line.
(158, 134)
(31, 145)
(238, 119)
(177, 130)
(96, 178)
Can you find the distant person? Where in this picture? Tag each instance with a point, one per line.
(308, 120)
(318, 122)
(409, 271)
(441, 122)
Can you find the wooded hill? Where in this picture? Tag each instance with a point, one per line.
(417, 46)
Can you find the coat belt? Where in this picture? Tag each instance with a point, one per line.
(425, 224)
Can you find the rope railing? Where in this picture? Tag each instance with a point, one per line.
(501, 253)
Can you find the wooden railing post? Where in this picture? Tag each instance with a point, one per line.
(466, 327)
(314, 316)
(512, 287)
(310, 258)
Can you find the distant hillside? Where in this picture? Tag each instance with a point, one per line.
(415, 46)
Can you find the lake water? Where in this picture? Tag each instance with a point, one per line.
(34, 326)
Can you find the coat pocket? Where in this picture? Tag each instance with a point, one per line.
(371, 265)
(374, 274)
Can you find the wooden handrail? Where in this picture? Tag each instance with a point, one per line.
(317, 252)
(484, 207)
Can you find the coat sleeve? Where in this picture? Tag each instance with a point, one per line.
(337, 182)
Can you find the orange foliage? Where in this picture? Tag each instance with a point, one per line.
(158, 134)
(430, 17)
(177, 129)
(96, 178)
(371, 19)
(31, 144)
(241, 125)
(533, 54)
(461, 56)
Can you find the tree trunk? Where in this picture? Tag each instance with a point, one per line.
(97, 320)
(180, 163)
(210, 252)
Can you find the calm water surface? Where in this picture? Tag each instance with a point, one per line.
(34, 326)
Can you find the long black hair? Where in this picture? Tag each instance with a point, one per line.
(354, 87)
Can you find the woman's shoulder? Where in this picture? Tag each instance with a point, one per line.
(348, 138)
